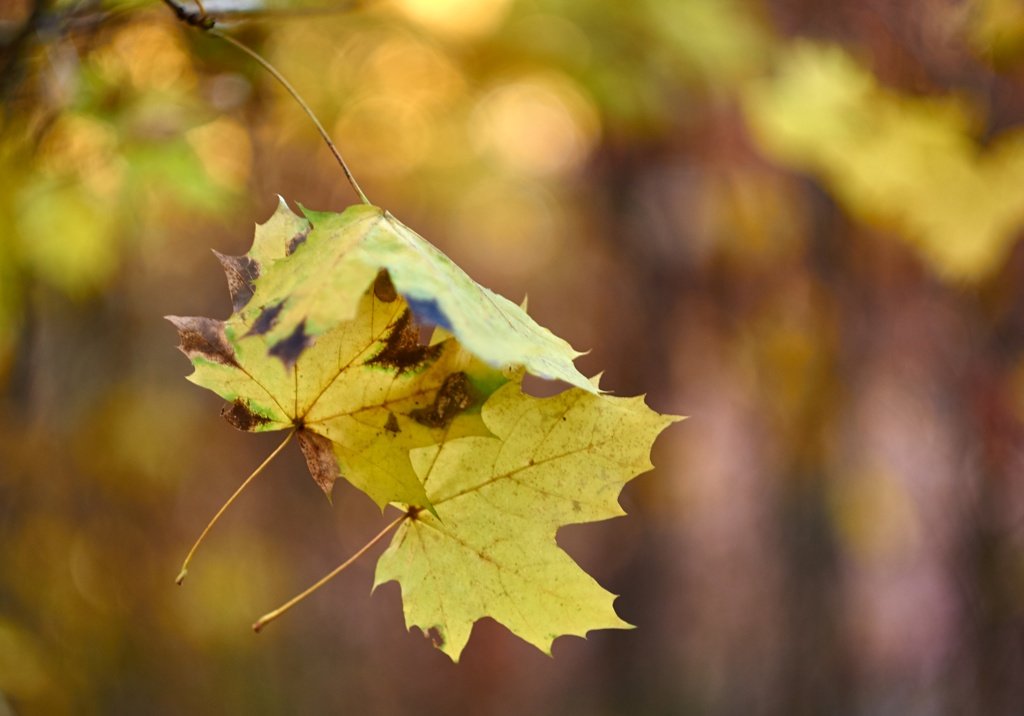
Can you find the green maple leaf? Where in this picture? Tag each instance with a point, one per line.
(360, 396)
(331, 258)
(490, 549)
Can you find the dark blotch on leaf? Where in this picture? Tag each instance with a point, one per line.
(290, 348)
(429, 311)
(403, 350)
(241, 272)
(266, 320)
(320, 459)
(239, 415)
(434, 634)
(383, 289)
(454, 396)
(392, 424)
(296, 241)
(203, 338)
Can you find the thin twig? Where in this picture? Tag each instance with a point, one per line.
(271, 616)
(188, 558)
(190, 17)
(281, 13)
(305, 107)
(205, 22)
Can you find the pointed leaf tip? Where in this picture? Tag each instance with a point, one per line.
(204, 338)
(320, 458)
(241, 273)
(272, 238)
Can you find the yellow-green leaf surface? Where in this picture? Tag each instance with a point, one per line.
(329, 267)
(490, 550)
(361, 396)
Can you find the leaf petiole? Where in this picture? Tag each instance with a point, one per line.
(200, 19)
(184, 567)
(272, 615)
(305, 107)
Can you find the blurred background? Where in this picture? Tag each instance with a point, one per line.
(797, 222)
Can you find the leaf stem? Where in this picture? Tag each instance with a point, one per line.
(184, 567)
(203, 21)
(305, 107)
(271, 616)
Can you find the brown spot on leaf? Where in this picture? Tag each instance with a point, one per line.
(204, 338)
(239, 415)
(320, 459)
(403, 350)
(289, 349)
(297, 241)
(435, 636)
(392, 424)
(266, 320)
(383, 289)
(241, 272)
(454, 396)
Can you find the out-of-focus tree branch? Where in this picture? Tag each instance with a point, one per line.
(15, 47)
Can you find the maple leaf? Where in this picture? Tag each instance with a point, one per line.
(331, 258)
(360, 397)
(501, 499)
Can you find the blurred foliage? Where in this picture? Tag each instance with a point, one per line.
(116, 137)
(911, 162)
(797, 222)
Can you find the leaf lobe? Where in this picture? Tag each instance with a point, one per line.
(204, 338)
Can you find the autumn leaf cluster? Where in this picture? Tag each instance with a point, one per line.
(398, 372)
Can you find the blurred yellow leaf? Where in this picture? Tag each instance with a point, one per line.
(907, 163)
(65, 237)
(22, 670)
